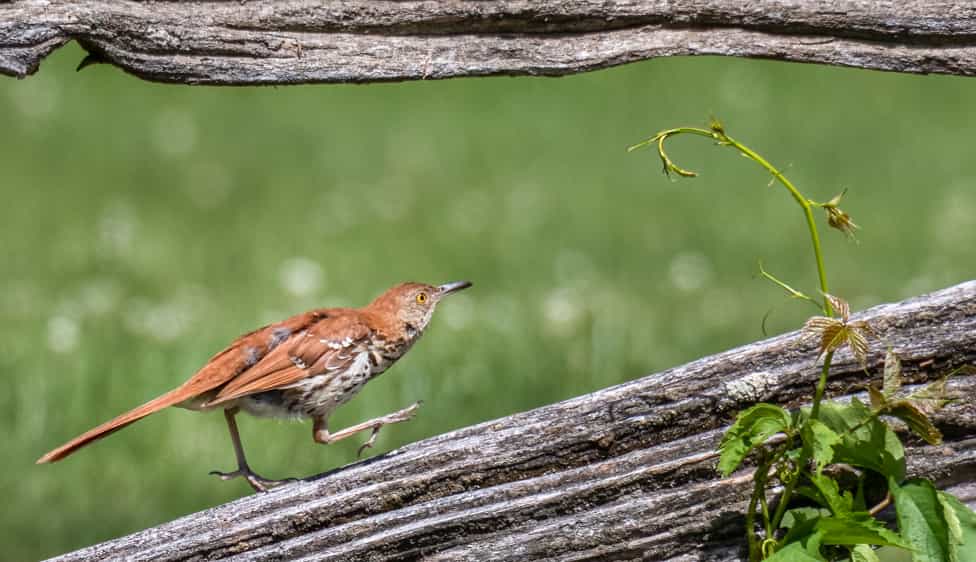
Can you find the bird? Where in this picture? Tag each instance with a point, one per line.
(303, 367)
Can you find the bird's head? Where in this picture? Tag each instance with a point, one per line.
(413, 303)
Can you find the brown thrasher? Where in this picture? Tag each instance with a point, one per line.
(303, 367)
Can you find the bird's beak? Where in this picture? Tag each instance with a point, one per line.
(448, 288)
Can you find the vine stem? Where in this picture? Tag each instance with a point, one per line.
(717, 133)
(806, 453)
(751, 520)
(821, 385)
(807, 212)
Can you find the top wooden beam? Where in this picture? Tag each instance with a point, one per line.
(296, 42)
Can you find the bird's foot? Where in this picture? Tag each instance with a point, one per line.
(258, 482)
(403, 415)
(369, 442)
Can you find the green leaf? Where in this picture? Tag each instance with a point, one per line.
(798, 515)
(933, 396)
(916, 420)
(953, 523)
(801, 522)
(922, 522)
(962, 528)
(799, 552)
(821, 440)
(830, 495)
(863, 553)
(866, 441)
(857, 528)
(893, 554)
(751, 429)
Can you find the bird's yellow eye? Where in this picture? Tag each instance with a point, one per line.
(421, 298)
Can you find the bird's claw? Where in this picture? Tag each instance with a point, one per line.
(369, 442)
(258, 482)
(396, 417)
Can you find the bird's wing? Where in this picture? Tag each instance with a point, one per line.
(247, 351)
(330, 345)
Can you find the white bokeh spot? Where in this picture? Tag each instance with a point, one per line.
(63, 334)
(301, 276)
(690, 271)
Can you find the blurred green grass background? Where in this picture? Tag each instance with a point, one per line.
(145, 226)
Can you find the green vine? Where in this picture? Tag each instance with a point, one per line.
(830, 434)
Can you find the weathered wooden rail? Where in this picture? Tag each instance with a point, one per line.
(291, 42)
(625, 473)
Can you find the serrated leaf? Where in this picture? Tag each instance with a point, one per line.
(824, 330)
(892, 374)
(830, 495)
(799, 515)
(857, 528)
(872, 445)
(964, 532)
(952, 522)
(857, 340)
(796, 552)
(921, 521)
(933, 397)
(801, 523)
(840, 306)
(833, 334)
(833, 338)
(864, 553)
(916, 420)
(821, 440)
(751, 429)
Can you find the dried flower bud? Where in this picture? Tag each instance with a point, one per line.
(716, 126)
(840, 220)
(837, 218)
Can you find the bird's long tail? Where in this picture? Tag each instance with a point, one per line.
(171, 398)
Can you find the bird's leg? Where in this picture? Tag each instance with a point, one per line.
(320, 431)
(259, 483)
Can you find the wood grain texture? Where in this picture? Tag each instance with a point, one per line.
(625, 473)
(293, 42)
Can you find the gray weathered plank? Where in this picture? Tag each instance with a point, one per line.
(292, 42)
(625, 473)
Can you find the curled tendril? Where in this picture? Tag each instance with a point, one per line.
(787, 472)
(669, 165)
(716, 132)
